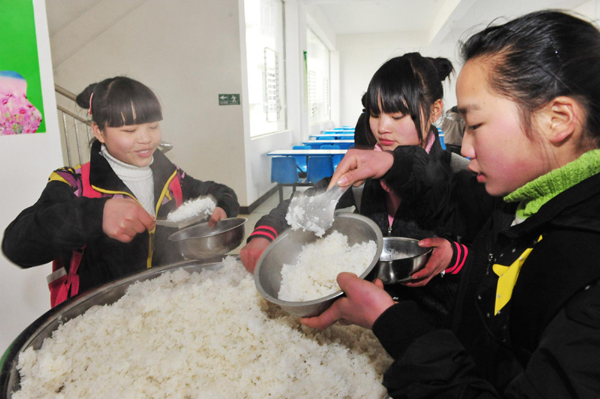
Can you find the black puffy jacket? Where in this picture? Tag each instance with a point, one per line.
(61, 222)
(545, 343)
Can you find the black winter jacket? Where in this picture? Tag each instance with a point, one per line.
(61, 222)
(545, 343)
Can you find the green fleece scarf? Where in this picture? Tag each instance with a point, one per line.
(541, 190)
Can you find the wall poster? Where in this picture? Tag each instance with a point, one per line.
(21, 104)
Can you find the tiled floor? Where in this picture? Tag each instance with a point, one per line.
(262, 210)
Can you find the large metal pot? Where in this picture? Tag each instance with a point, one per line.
(42, 328)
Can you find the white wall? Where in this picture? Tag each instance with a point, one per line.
(590, 10)
(362, 54)
(26, 162)
(320, 25)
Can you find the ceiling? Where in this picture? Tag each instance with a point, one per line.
(62, 12)
(440, 19)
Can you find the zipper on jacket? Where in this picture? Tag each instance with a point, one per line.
(490, 261)
(151, 233)
(163, 193)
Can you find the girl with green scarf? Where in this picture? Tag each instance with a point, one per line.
(527, 317)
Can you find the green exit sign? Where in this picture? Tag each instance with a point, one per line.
(229, 99)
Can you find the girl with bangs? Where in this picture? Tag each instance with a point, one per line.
(398, 91)
(95, 221)
(403, 100)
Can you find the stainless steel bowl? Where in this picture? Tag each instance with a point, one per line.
(287, 247)
(203, 242)
(400, 258)
(44, 326)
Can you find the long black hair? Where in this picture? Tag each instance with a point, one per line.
(409, 84)
(120, 101)
(540, 56)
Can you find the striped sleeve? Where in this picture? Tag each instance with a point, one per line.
(459, 256)
(265, 232)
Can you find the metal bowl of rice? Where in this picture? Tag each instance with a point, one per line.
(288, 247)
(400, 258)
(204, 242)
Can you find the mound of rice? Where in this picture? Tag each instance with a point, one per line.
(319, 263)
(200, 335)
(201, 206)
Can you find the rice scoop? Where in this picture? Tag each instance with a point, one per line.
(201, 206)
(314, 213)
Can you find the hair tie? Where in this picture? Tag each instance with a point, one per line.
(90, 108)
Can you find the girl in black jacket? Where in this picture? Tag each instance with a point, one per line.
(527, 320)
(96, 220)
(403, 99)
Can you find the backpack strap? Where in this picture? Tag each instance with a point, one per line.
(88, 190)
(175, 188)
(60, 283)
(64, 285)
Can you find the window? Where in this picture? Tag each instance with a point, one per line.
(317, 61)
(265, 51)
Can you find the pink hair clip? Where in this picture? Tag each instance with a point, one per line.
(90, 108)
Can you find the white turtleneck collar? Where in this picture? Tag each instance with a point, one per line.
(124, 169)
(138, 179)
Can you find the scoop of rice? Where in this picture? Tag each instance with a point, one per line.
(297, 218)
(200, 335)
(319, 263)
(201, 206)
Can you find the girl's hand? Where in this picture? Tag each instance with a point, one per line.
(124, 218)
(252, 251)
(359, 165)
(438, 261)
(363, 304)
(218, 214)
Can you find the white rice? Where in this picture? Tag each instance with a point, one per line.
(201, 335)
(201, 206)
(294, 214)
(319, 263)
